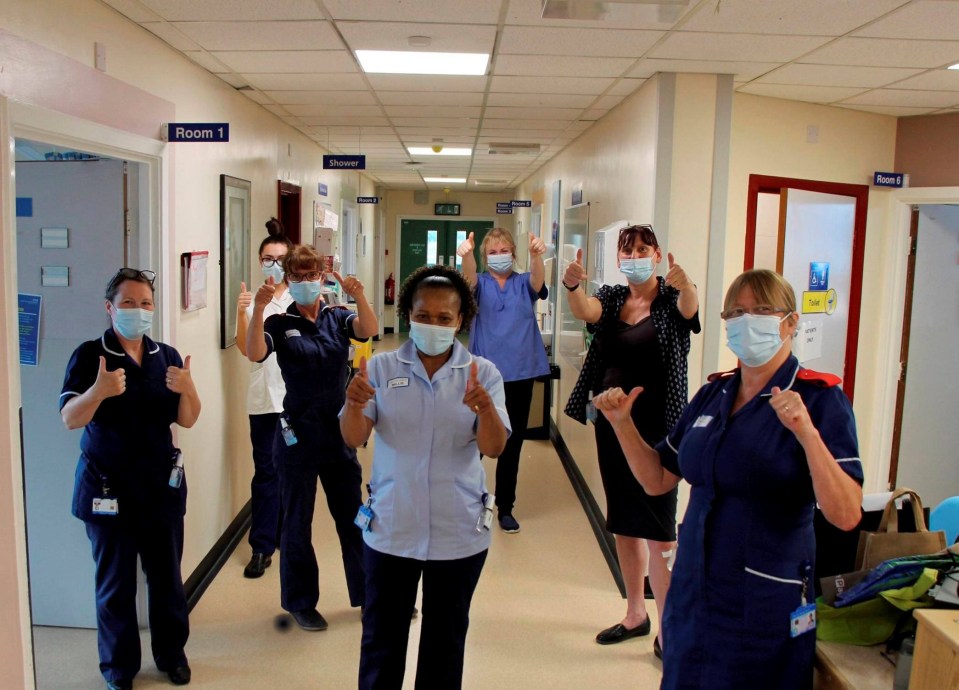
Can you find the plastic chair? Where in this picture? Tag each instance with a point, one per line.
(945, 516)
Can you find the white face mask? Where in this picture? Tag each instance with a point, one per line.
(432, 340)
(754, 339)
(501, 263)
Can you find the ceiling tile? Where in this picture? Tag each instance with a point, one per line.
(309, 35)
(608, 102)
(622, 15)
(533, 113)
(344, 120)
(256, 96)
(836, 75)
(554, 125)
(577, 85)
(885, 52)
(520, 135)
(234, 80)
(278, 110)
(458, 38)
(903, 97)
(424, 82)
(453, 122)
(322, 97)
(237, 10)
(433, 111)
(937, 80)
(922, 20)
(423, 131)
(207, 61)
(307, 82)
(624, 87)
(735, 47)
(539, 100)
(594, 113)
(335, 110)
(294, 61)
(560, 66)
(447, 11)
(743, 71)
(171, 35)
(813, 94)
(896, 111)
(132, 9)
(807, 17)
(430, 98)
(586, 42)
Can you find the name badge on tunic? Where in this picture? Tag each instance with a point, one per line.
(292, 333)
(702, 420)
(802, 620)
(105, 506)
(399, 382)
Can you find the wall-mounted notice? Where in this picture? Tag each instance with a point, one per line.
(55, 276)
(818, 275)
(521, 203)
(28, 315)
(54, 238)
(207, 132)
(322, 189)
(367, 200)
(344, 162)
(193, 277)
(888, 179)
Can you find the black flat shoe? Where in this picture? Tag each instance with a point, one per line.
(620, 633)
(657, 649)
(257, 565)
(310, 620)
(119, 685)
(180, 675)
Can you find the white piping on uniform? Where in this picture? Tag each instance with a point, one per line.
(773, 577)
(848, 460)
(671, 445)
(154, 350)
(103, 342)
(788, 387)
(68, 393)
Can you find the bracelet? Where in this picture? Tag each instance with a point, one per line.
(570, 288)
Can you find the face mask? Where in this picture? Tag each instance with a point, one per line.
(276, 271)
(431, 340)
(501, 263)
(305, 293)
(132, 323)
(754, 339)
(636, 270)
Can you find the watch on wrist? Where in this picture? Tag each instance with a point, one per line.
(570, 288)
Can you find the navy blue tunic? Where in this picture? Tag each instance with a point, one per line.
(747, 532)
(128, 445)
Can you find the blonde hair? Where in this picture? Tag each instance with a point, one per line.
(501, 234)
(767, 286)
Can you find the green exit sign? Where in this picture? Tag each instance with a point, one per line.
(446, 209)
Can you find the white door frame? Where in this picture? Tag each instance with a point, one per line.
(890, 321)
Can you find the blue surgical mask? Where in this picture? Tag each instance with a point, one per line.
(432, 340)
(305, 293)
(132, 323)
(754, 339)
(501, 263)
(637, 270)
(275, 271)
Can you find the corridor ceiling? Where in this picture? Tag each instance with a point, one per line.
(548, 80)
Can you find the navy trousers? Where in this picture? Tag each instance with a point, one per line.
(519, 396)
(265, 487)
(391, 583)
(116, 545)
(299, 573)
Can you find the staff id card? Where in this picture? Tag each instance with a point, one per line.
(105, 506)
(802, 620)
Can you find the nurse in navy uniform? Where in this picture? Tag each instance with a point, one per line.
(125, 391)
(760, 446)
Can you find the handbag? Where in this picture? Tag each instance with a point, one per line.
(888, 542)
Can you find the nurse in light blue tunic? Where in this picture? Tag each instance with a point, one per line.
(760, 446)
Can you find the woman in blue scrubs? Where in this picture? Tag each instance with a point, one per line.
(125, 390)
(760, 446)
(312, 343)
(435, 408)
(506, 333)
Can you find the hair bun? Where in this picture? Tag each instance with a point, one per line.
(275, 228)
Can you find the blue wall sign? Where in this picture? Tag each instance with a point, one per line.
(504, 211)
(521, 203)
(344, 162)
(367, 200)
(888, 179)
(198, 131)
(818, 275)
(28, 314)
(323, 189)
(24, 206)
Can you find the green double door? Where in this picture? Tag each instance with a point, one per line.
(429, 242)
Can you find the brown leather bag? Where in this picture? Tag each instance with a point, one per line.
(888, 542)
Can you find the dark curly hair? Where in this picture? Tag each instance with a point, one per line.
(439, 277)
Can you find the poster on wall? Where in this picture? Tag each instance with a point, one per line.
(28, 316)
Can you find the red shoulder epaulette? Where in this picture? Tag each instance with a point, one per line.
(819, 378)
(720, 375)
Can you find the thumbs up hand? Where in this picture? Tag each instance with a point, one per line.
(615, 404)
(245, 298)
(477, 398)
(266, 293)
(676, 277)
(575, 272)
(178, 379)
(360, 391)
(466, 246)
(109, 383)
(536, 246)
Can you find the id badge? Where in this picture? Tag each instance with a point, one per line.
(485, 518)
(176, 477)
(105, 506)
(364, 518)
(802, 620)
(591, 412)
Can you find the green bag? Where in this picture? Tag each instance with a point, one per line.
(873, 621)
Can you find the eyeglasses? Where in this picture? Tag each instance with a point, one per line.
(133, 274)
(630, 229)
(270, 262)
(758, 310)
(300, 277)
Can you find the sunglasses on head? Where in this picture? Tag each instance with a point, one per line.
(133, 274)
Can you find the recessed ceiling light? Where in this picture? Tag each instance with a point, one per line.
(414, 62)
(428, 151)
(955, 66)
(445, 180)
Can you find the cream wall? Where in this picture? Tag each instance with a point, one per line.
(262, 149)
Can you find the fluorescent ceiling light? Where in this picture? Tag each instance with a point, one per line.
(955, 66)
(453, 180)
(428, 151)
(411, 62)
